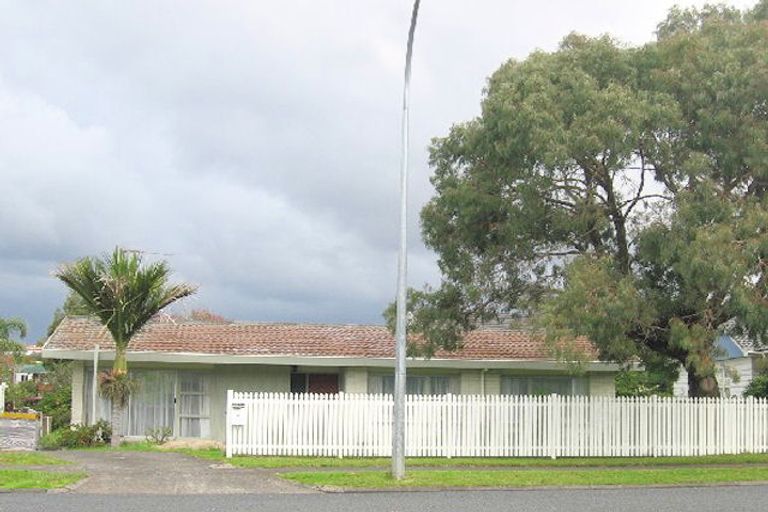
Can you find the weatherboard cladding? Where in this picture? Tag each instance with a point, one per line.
(307, 340)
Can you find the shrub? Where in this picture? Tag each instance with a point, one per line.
(158, 435)
(57, 404)
(78, 436)
(758, 387)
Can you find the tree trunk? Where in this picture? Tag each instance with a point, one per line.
(115, 420)
(701, 386)
(120, 365)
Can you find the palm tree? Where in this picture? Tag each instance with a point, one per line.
(11, 351)
(124, 294)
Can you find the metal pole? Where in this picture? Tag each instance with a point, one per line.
(398, 430)
(95, 384)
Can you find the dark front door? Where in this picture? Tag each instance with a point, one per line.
(323, 383)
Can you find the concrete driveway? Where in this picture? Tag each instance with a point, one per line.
(168, 473)
(18, 434)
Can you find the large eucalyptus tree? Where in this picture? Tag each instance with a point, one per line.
(612, 192)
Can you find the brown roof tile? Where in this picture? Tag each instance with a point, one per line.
(308, 340)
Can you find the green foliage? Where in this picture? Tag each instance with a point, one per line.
(758, 387)
(158, 435)
(612, 192)
(57, 403)
(8, 326)
(658, 380)
(21, 394)
(77, 436)
(117, 386)
(11, 350)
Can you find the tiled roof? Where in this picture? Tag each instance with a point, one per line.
(304, 340)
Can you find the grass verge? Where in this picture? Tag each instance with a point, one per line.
(29, 459)
(383, 462)
(531, 478)
(282, 462)
(24, 479)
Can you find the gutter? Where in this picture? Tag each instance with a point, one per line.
(288, 360)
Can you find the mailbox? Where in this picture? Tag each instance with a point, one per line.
(238, 414)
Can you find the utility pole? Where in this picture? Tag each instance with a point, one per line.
(398, 420)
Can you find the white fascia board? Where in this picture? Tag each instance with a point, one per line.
(185, 357)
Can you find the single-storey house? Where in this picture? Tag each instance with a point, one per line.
(27, 372)
(185, 368)
(738, 359)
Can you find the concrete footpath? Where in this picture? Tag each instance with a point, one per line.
(124, 472)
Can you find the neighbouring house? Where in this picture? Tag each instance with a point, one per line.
(738, 359)
(185, 368)
(29, 372)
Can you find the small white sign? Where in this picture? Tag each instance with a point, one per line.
(238, 414)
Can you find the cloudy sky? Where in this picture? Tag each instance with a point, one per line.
(254, 145)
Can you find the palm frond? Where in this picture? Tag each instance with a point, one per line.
(122, 291)
(10, 325)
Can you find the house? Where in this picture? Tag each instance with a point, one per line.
(738, 359)
(185, 368)
(28, 372)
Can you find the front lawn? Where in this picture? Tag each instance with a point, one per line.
(24, 479)
(531, 478)
(28, 459)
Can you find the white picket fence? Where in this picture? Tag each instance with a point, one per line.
(348, 425)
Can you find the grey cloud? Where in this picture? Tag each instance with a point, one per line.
(254, 144)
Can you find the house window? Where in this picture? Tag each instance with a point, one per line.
(415, 384)
(565, 386)
(155, 403)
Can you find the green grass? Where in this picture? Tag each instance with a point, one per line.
(28, 459)
(24, 479)
(383, 462)
(531, 478)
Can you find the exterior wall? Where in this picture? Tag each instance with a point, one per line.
(680, 387)
(355, 380)
(470, 383)
(602, 384)
(492, 383)
(78, 413)
(733, 377)
(242, 378)
(266, 378)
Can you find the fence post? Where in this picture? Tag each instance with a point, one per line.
(228, 423)
(3, 385)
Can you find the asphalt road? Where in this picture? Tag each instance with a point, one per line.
(749, 498)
